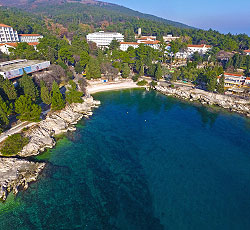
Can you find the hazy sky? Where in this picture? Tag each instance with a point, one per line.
(222, 15)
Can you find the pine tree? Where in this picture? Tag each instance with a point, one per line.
(125, 70)
(158, 72)
(57, 101)
(4, 112)
(45, 95)
(220, 85)
(73, 95)
(8, 88)
(27, 109)
(93, 69)
(29, 87)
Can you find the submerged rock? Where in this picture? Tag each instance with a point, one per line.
(16, 174)
(231, 103)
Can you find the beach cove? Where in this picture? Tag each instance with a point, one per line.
(143, 161)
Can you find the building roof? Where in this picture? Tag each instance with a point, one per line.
(247, 51)
(248, 78)
(3, 25)
(200, 46)
(129, 43)
(233, 74)
(150, 42)
(14, 44)
(33, 43)
(29, 35)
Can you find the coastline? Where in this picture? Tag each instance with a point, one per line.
(232, 104)
(17, 172)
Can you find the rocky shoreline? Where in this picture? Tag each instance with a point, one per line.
(17, 173)
(230, 103)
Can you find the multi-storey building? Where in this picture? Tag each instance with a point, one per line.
(233, 80)
(8, 34)
(30, 37)
(103, 39)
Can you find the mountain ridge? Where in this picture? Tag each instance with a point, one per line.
(33, 5)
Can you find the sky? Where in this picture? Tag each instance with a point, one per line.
(223, 15)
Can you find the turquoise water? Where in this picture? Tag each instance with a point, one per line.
(142, 162)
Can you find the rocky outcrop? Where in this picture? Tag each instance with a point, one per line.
(16, 174)
(42, 134)
(234, 104)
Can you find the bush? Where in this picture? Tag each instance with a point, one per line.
(135, 78)
(14, 144)
(142, 83)
(153, 83)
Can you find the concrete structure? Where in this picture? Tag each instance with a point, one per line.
(125, 45)
(14, 69)
(247, 82)
(169, 38)
(29, 37)
(146, 38)
(191, 49)
(8, 34)
(247, 52)
(139, 32)
(153, 44)
(233, 80)
(4, 47)
(103, 39)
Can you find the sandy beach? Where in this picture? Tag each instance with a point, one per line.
(97, 86)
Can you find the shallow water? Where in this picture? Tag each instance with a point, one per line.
(143, 161)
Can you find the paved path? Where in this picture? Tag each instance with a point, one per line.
(16, 129)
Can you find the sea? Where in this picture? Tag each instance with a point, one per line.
(143, 161)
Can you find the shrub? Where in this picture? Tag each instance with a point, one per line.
(14, 144)
(153, 83)
(135, 78)
(142, 83)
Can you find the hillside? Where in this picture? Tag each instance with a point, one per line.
(86, 7)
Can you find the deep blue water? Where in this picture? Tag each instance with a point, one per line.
(142, 162)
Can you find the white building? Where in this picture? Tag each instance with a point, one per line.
(201, 49)
(247, 81)
(7, 34)
(247, 52)
(30, 37)
(169, 38)
(233, 80)
(153, 44)
(4, 47)
(125, 45)
(103, 39)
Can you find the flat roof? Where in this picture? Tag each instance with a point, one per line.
(17, 64)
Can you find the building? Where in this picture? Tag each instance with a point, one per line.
(14, 69)
(145, 38)
(125, 45)
(4, 47)
(153, 44)
(103, 39)
(8, 34)
(247, 82)
(169, 38)
(201, 49)
(247, 52)
(233, 80)
(29, 37)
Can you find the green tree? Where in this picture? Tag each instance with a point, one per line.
(78, 68)
(27, 110)
(57, 101)
(221, 84)
(114, 45)
(45, 95)
(8, 88)
(84, 59)
(4, 113)
(125, 70)
(93, 69)
(73, 95)
(29, 87)
(211, 81)
(66, 55)
(158, 72)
